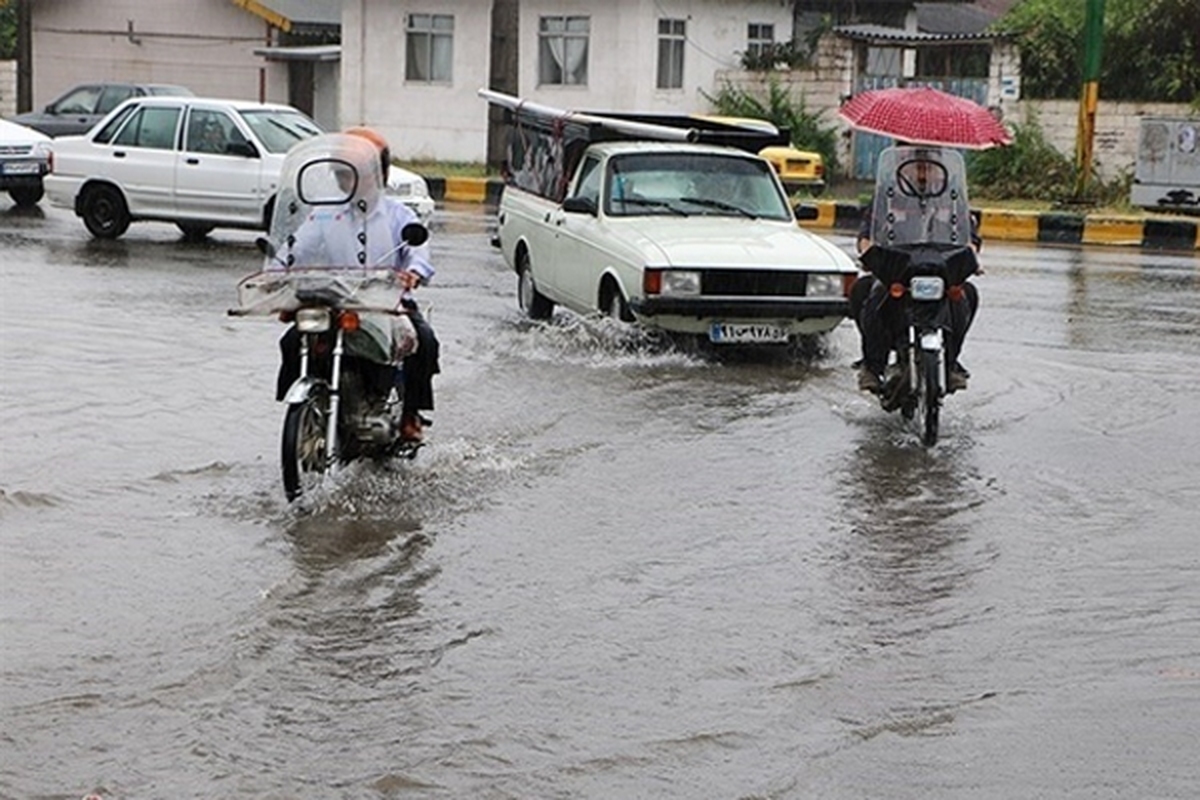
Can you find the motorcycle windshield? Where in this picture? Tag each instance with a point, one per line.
(921, 198)
(328, 211)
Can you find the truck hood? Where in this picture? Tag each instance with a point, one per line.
(731, 242)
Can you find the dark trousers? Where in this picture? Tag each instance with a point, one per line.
(419, 368)
(878, 320)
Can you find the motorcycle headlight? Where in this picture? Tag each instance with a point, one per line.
(824, 285)
(926, 287)
(312, 320)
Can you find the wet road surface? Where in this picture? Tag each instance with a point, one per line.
(616, 571)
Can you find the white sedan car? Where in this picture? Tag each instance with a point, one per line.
(200, 163)
(24, 161)
(412, 190)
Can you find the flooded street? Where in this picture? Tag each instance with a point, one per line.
(616, 570)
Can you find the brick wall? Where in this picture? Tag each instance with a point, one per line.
(8, 88)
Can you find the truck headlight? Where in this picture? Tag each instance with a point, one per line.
(824, 285)
(677, 282)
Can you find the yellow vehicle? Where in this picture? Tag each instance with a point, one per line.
(797, 169)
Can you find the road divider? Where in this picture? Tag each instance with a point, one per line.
(1050, 227)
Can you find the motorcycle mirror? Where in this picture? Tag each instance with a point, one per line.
(415, 234)
(265, 247)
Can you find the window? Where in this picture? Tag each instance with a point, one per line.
(589, 180)
(429, 48)
(563, 50)
(672, 34)
(81, 101)
(112, 97)
(760, 40)
(106, 133)
(210, 132)
(150, 127)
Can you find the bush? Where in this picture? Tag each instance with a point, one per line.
(1029, 169)
(808, 129)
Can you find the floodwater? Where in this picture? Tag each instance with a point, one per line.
(616, 571)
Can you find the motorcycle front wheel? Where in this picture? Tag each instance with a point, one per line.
(931, 398)
(303, 448)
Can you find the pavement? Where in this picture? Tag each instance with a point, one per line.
(1149, 231)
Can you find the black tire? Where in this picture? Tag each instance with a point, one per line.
(931, 396)
(105, 213)
(535, 304)
(195, 231)
(303, 448)
(613, 303)
(26, 196)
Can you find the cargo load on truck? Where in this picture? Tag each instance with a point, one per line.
(546, 143)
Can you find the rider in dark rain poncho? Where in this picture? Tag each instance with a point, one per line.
(869, 309)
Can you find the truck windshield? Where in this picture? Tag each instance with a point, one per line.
(711, 184)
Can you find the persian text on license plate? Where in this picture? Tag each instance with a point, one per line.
(21, 168)
(729, 333)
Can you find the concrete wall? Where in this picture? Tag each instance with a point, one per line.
(8, 88)
(205, 45)
(448, 122)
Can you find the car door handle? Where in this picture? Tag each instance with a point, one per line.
(193, 161)
(118, 154)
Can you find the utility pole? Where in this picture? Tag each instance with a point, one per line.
(1093, 36)
(24, 56)
(503, 75)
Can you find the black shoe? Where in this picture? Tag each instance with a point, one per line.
(869, 381)
(956, 380)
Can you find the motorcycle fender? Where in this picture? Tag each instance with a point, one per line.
(300, 391)
(931, 340)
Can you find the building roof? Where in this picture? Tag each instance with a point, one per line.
(885, 35)
(952, 18)
(293, 16)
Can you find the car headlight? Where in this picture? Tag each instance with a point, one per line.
(824, 285)
(680, 282)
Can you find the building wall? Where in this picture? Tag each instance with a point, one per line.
(449, 122)
(8, 88)
(205, 45)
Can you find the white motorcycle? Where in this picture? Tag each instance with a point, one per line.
(350, 332)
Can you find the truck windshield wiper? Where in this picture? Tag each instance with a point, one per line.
(718, 204)
(642, 201)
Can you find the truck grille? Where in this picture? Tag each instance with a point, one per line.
(753, 283)
(15, 149)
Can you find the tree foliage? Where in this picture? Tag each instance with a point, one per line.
(8, 30)
(1150, 51)
(808, 129)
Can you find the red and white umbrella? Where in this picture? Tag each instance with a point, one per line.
(921, 115)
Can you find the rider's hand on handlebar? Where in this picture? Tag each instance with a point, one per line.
(409, 279)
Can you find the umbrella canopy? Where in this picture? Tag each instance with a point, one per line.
(925, 116)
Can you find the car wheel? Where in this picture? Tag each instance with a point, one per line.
(26, 196)
(613, 302)
(194, 231)
(535, 304)
(105, 213)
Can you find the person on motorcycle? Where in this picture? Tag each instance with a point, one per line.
(868, 307)
(347, 235)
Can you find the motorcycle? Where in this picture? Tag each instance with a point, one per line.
(350, 330)
(921, 257)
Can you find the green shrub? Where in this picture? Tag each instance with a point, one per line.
(1029, 169)
(808, 129)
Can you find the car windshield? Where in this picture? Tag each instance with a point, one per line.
(279, 130)
(692, 184)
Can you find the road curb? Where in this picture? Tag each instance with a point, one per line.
(1050, 227)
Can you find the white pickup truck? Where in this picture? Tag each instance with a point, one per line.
(686, 237)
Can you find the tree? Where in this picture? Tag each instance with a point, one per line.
(8, 30)
(1151, 49)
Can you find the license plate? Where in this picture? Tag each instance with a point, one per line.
(21, 168)
(728, 333)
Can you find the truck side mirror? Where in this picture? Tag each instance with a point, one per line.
(580, 205)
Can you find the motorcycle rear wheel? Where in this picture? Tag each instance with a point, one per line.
(931, 399)
(303, 446)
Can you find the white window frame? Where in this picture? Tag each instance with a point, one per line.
(563, 45)
(672, 39)
(429, 48)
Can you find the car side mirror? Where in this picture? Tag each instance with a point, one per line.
(579, 205)
(245, 149)
(414, 234)
(50, 109)
(806, 211)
